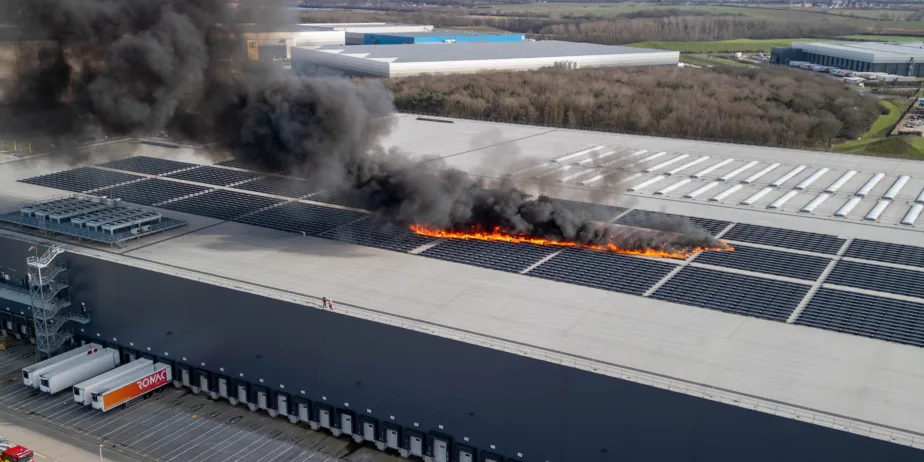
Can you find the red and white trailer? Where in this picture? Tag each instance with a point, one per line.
(119, 392)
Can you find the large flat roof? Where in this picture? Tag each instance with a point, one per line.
(845, 375)
(486, 51)
(446, 33)
(875, 52)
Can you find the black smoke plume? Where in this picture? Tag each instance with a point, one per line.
(127, 67)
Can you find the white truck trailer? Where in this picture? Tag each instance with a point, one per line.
(129, 387)
(65, 377)
(83, 391)
(30, 373)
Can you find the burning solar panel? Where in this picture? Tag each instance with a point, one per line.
(371, 233)
(597, 212)
(279, 186)
(296, 217)
(647, 219)
(501, 256)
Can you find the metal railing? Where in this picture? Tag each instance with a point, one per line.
(817, 417)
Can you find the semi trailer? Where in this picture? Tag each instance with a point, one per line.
(83, 391)
(82, 368)
(30, 373)
(129, 387)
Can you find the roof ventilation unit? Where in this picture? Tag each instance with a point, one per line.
(687, 165)
(756, 196)
(666, 163)
(913, 213)
(702, 189)
(728, 192)
(761, 173)
(647, 159)
(738, 171)
(920, 199)
(812, 178)
(811, 206)
(647, 183)
(896, 187)
(840, 182)
(580, 153)
(711, 169)
(672, 187)
(847, 207)
(783, 199)
(870, 184)
(602, 156)
(877, 210)
(783, 179)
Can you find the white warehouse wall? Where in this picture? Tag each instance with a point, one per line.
(320, 38)
(461, 67)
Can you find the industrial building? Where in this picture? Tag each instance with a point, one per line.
(441, 36)
(801, 344)
(892, 58)
(356, 32)
(397, 61)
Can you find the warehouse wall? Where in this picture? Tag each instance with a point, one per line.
(544, 411)
(658, 58)
(397, 39)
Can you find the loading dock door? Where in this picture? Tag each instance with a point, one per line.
(204, 383)
(324, 418)
(391, 438)
(184, 377)
(346, 423)
(303, 412)
(368, 431)
(490, 459)
(242, 393)
(261, 399)
(416, 445)
(440, 450)
(465, 456)
(223, 387)
(282, 404)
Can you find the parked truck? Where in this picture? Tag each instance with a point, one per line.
(83, 391)
(121, 391)
(30, 373)
(74, 372)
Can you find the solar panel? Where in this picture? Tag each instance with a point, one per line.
(214, 175)
(898, 254)
(867, 315)
(732, 293)
(235, 163)
(372, 233)
(759, 260)
(880, 278)
(279, 186)
(296, 217)
(785, 238)
(82, 179)
(221, 204)
(148, 165)
(341, 198)
(151, 191)
(657, 220)
(501, 256)
(603, 270)
(597, 212)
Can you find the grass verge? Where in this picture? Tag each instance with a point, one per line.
(876, 141)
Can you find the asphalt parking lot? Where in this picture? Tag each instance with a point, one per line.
(176, 425)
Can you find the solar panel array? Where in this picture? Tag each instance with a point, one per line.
(221, 204)
(151, 191)
(732, 293)
(296, 217)
(885, 252)
(766, 261)
(881, 318)
(785, 238)
(657, 220)
(340, 198)
(597, 212)
(279, 186)
(214, 175)
(603, 270)
(82, 179)
(371, 233)
(234, 163)
(148, 165)
(501, 256)
(879, 278)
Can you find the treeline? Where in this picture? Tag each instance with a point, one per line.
(640, 26)
(764, 106)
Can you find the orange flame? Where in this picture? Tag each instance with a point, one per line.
(499, 236)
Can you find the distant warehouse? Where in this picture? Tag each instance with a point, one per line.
(892, 58)
(442, 58)
(440, 36)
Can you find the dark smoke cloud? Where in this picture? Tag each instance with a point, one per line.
(139, 66)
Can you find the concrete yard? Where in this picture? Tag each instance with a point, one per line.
(174, 425)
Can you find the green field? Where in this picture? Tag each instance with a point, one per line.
(876, 141)
(723, 46)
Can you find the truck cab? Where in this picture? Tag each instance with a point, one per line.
(16, 454)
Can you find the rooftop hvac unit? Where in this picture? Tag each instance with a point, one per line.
(135, 231)
(146, 228)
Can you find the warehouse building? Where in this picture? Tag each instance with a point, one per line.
(441, 36)
(891, 58)
(442, 58)
(356, 32)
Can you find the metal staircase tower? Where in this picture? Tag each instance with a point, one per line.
(48, 293)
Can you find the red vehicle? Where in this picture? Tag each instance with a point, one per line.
(16, 454)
